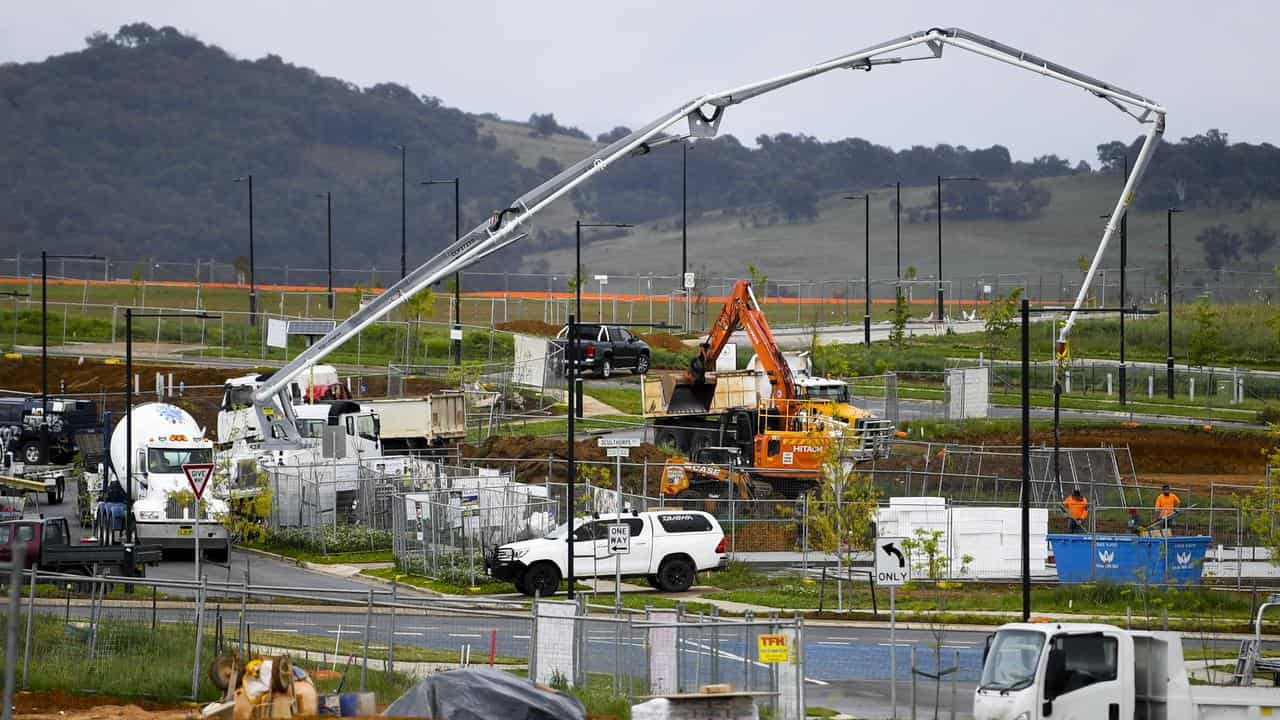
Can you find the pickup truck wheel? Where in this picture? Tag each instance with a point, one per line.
(675, 575)
(32, 453)
(53, 497)
(518, 581)
(642, 364)
(606, 367)
(653, 582)
(542, 579)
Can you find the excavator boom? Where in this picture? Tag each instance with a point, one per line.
(742, 310)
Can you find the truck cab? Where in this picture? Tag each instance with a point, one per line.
(1084, 671)
(236, 418)
(341, 429)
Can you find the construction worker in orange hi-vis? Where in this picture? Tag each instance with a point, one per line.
(1167, 504)
(1077, 506)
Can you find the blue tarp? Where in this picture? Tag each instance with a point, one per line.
(1128, 558)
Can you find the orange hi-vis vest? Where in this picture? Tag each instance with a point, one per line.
(1077, 508)
(1167, 505)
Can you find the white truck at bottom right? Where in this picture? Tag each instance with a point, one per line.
(1070, 671)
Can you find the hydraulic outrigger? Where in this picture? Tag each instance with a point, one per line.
(703, 115)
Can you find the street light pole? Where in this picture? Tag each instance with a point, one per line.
(328, 201)
(1124, 298)
(1168, 253)
(403, 266)
(898, 227)
(684, 209)
(1024, 505)
(571, 467)
(941, 178)
(129, 315)
(866, 247)
(456, 330)
(253, 287)
(44, 343)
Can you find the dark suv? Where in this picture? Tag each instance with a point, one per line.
(603, 349)
(20, 428)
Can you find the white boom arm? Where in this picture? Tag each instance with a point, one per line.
(703, 115)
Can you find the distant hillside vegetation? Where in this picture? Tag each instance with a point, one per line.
(128, 148)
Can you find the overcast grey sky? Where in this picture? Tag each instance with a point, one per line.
(600, 64)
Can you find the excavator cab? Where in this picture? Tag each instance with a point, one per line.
(714, 473)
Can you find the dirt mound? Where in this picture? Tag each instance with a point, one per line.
(1156, 449)
(62, 705)
(530, 327)
(95, 376)
(664, 341)
(534, 450)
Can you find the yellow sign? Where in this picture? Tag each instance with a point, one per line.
(773, 648)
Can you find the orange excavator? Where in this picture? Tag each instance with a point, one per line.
(783, 437)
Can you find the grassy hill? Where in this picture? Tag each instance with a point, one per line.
(832, 246)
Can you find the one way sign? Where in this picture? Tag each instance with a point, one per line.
(892, 567)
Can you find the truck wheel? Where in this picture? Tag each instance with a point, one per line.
(606, 367)
(675, 575)
(542, 579)
(32, 453)
(653, 581)
(53, 497)
(62, 491)
(523, 589)
(642, 364)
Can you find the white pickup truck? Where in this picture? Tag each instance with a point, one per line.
(667, 547)
(1078, 671)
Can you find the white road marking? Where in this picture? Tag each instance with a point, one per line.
(464, 635)
(413, 634)
(833, 642)
(284, 630)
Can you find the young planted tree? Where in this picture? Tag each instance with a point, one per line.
(1206, 333)
(1000, 321)
(901, 314)
(930, 557)
(842, 510)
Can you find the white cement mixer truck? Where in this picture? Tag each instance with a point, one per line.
(165, 438)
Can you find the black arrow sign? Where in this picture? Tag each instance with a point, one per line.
(889, 549)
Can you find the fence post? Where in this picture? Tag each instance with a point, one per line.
(195, 664)
(368, 628)
(914, 682)
(533, 641)
(391, 636)
(31, 606)
(804, 531)
(11, 630)
(955, 672)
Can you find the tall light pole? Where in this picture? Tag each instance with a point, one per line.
(253, 288)
(1124, 298)
(1168, 255)
(897, 221)
(129, 316)
(866, 252)
(403, 266)
(44, 339)
(684, 209)
(328, 201)
(942, 179)
(456, 330)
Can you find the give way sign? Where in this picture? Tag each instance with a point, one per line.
(198, 475)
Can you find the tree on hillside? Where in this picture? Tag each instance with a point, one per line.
(617, 133)
(797, 200)
(1221, 245)
(543, 125)
(1259, 239)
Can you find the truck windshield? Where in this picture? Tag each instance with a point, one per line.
(310, 428)
(171, 460)
(836, 393)
(1013, 660)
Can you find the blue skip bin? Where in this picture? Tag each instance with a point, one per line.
(1128, 558)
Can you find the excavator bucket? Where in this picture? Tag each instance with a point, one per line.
(692, 398)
